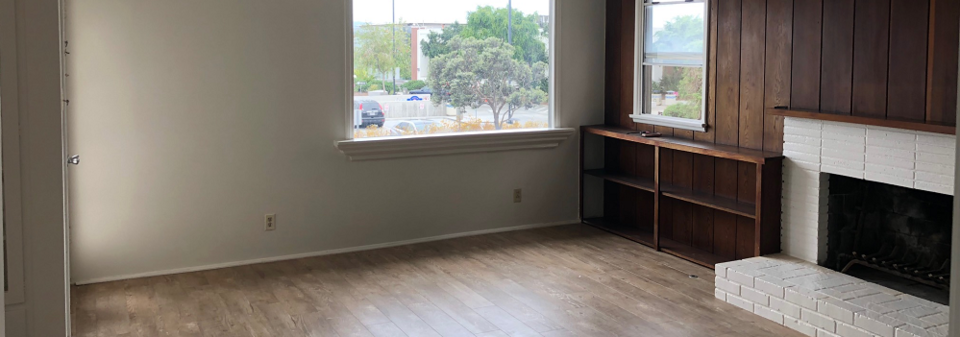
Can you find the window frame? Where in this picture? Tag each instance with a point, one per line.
(454, 143)
(638, 115)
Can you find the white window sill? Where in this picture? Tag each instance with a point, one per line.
(449, 144)
(670, 122)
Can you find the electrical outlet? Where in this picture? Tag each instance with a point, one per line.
(270, 222)
(517, 196)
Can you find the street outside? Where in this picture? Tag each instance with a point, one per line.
(484, 113)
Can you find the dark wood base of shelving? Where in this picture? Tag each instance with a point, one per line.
(691, 254)
(633, 234)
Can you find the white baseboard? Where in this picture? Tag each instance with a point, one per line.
(320, 253)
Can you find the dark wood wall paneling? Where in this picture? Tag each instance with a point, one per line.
(894, 59)
(867, 58)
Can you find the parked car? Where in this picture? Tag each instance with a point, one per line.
(413, 126)
(367, 112)
(422, 91)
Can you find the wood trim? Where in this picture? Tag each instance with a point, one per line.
(887, 123)
(686, 145)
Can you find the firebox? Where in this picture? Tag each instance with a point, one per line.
(890, 235)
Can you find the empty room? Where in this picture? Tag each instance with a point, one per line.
(489, 168)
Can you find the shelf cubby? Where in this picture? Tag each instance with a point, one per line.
(703, 202)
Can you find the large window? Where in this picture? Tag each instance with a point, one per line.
(426, 67)
(670, 62)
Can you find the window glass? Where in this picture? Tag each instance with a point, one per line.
(674, 32)
(440, 66)
(673, 60)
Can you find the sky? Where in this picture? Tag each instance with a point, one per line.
(435, 11)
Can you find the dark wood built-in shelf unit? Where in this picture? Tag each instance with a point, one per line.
(703, 202)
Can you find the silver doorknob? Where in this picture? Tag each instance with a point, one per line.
(74, 159)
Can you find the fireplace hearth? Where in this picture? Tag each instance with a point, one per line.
(890, 235)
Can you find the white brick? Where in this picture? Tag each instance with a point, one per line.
(804, 299)
(802, 156)
(720, 294)
(868, 301)
(802, 148)
(855, 156)
(798, 139)
(935, 158)
(784, 307)
(852, 130)
(890, 171)
(823, 333)
(802, 327)
(755, 296)
(901, 154)
(949, 151)
(818, 320)
(768, 313)
(848, 161)
(937, 319)
(912, 331)
(883, 159)
(801, 131)
(935, 168)
(769, 285)
(800, 164)
(892, 134)
(838, 310)
(914, 321)
(875, 323)
(847, 172)
(942, 330)
(727, 286)
(738, 277)
(935, 178)
(936, 139)
(932, 187)
(888, 179)
(888, 307)
(847, 330)
(740, 302)
(803, 123)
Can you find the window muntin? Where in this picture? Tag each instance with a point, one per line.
(455, 67)
(671, 63)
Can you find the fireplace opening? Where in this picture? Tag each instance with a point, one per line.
(890, 235)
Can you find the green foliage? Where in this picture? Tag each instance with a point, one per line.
(683, 110)
(683, 34)
(487, 22)
(374, 50)
(484, 72)
(414, 85)
(436, 43)
(690, 94)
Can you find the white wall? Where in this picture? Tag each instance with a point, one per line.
(195, 118)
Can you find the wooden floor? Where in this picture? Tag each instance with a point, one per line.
(560, 281)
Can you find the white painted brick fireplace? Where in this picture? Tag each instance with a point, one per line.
(918, 160)
(791, 289)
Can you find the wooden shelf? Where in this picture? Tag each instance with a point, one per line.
(634, 234)
(667, 167)
(846, 118)
(623, 179)
(685, 145)
(701, 257)
(712, 201)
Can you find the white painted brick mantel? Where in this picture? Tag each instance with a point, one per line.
(822, 302)
(918, 160)
(791, 289)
